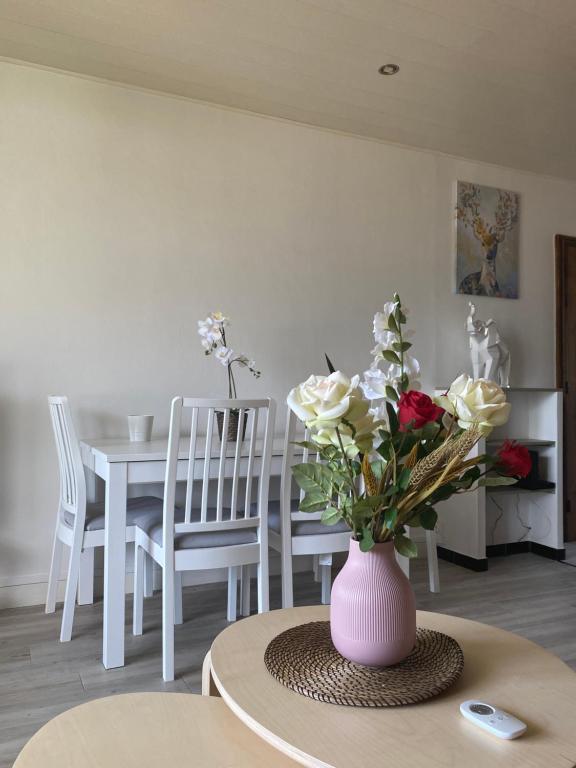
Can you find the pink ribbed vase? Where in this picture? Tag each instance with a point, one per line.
(373, 611)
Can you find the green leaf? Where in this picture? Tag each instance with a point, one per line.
(361, 515)
(392, 418)
(429, 430)
(313, 502)
(390, 517)
(403, 478)
(331, 516)
(497, 480)
(377, 469)
(391, 491)
(367, 540)
(414, 520)
(307, 444)
(405, 546)
(401, 317)
(401, 346)
(391, 356)
(313, 478)
(406, 444)
(386, 449)
(329, 364)
(428, 518)
(391, 393)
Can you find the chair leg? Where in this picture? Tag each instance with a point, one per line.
(86, 577)
(71, 590)
(326, 570)
(148, 576)
(404, 563)
(245, 588)
(316, 568)
(138, 605)
(263, 582)
(178, 616)
(168, 624)
(432, 556)
(232, 593)
(54, 575)
(287, 576)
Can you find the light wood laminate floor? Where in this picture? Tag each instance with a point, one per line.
(41, 677)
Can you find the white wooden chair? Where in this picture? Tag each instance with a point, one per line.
(80, 524)
(229, 535)
(301, 533)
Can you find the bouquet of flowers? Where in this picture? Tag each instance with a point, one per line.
(212, 333)
(390, 453)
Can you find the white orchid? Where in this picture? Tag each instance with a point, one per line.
(212, 332)
(224, 355)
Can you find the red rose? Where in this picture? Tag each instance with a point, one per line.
(513, 459)
(418, 408)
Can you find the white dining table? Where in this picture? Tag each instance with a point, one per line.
(121, 463)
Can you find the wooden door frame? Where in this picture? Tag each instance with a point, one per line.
(561, 245)
(561, 242)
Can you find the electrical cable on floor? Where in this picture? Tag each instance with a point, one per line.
(527, 528)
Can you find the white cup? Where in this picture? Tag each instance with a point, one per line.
(140, 428)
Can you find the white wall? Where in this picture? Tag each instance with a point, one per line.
(126, 216)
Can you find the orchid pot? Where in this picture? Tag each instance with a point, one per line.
(234, 431)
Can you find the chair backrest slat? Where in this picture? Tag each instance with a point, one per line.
(191, 465)
(222, 464)
(236, 472)
(207, 464)
(249, 460)
(294, 455)
(70, 466)
(250, 469)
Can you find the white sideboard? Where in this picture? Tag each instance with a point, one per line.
(506, 519)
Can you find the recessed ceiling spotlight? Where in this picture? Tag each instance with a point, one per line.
(389, 69)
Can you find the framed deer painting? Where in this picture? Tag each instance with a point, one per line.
(486, 241)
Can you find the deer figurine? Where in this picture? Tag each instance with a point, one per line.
(484, 282)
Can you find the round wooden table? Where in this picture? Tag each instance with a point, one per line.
(149, 730)
(500, 667)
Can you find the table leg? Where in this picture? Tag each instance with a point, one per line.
(208, 686)
(114, 565)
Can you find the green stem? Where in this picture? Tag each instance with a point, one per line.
(348, 466)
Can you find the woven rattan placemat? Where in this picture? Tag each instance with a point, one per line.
(304, 659)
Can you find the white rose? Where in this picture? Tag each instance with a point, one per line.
(326, 400)
(335, 402)
(359, 440)
(479, 401)
(224, 355)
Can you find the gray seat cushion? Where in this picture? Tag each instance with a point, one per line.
(302, 527)
(201, 540)
(142, 510)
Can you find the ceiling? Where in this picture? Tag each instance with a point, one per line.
(491, 80)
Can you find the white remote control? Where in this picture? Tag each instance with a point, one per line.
(493, 720)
